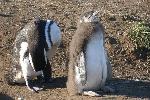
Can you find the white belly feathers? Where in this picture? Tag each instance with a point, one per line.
(95, 64)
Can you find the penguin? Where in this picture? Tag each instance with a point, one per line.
(89, 66)
(34, 45)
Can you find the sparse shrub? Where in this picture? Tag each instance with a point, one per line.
(140, 35)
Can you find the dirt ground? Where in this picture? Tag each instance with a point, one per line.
(131, 69)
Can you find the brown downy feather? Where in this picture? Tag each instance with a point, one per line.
(83, 33)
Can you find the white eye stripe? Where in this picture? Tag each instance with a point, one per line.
(46, 33)
(45, 55)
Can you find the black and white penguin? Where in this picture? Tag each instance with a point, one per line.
(34, 45)
(89, 66)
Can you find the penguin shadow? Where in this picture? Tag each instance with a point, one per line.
(130, 88)
(58, 82)
(5, 97)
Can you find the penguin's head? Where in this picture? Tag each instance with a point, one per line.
(50, 30)
(90, 16)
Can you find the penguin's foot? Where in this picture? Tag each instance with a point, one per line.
(90, 93)
(30, 86)
(40, 79)
(34, 89)
(48, 80)
(108, 89)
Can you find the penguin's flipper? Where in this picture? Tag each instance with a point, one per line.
(81, 69)
(26, 66)
(90, 93)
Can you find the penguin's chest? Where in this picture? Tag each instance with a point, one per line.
(95, 63)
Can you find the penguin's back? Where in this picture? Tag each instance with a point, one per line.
(21, 37)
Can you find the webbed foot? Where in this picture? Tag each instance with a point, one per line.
(90, 93)
(31, 87)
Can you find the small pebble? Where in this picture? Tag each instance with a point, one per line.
(20, 98)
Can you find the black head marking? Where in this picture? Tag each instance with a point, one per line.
(49, 35)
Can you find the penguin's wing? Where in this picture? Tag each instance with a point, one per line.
(36, 42)
(81, 68)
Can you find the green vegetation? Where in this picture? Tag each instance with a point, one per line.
(140, 35)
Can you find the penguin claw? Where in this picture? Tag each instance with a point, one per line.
(90, 93)
(35, 89)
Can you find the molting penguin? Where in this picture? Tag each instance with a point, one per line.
(89, 65)
(34, 45)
